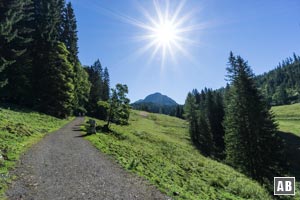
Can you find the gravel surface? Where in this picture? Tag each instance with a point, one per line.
(65, 166)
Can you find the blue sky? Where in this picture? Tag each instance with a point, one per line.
(263, 32)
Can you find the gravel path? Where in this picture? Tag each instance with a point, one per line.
(65, 166)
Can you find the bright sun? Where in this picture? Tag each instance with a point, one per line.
(165, 33)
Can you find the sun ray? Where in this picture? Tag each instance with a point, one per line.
(167, 31)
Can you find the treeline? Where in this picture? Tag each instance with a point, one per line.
(235, 124)
(172, 110)
(204, 110)
(282, 85)
(39, 64)
(39, 57)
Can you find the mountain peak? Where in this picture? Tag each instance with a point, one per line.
(158, 98)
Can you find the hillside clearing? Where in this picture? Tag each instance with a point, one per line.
(158, 148)
(288, 118)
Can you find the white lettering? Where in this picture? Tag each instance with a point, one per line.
(288, 186)
(280, 186)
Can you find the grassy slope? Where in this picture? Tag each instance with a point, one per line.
(158, 148)
(18, 130)
(288, 118)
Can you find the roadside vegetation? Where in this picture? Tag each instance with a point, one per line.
(19, 129)
(158, 147)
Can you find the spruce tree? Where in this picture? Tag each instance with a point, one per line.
(199, 128)
(105, 91)
(82, 88)
(70, 39)
(96, 79)
(19, 74)
(48, 22)
(250, 131)
(10, 15)
(69, 33)
(190, 114)
(217, 124)
(58, 90)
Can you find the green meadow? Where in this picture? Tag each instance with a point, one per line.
(19, 129)
(158, 148)
(288, 118)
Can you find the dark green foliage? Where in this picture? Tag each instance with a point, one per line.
(172, 110)
(95, 73)
(179, 112)
(69, 33)
(47, 22)
(12, 13)
(204, 111)
(250, 131)
(70, 39)
(36, 69)
(82, 88)
(282, 85)
(57, 87)
(99, 90)
(18, 88)
(119, 108)
(105, 87)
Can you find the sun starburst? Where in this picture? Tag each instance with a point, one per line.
(166, 31)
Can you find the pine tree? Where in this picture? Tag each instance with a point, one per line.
(10, 15)
(82, 88)
(96, 79)
(217, 124)
(199, 128)
(48, 23)
(250, 131)
(70, 39)
(58, 90)
(19, 75)
(69, 33)
(105, 92)
(190, 114)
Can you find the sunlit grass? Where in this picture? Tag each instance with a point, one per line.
(158, 148)
(19, 129)
(288, 118)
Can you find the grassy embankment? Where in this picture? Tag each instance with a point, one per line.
(158, 148)
(288, 118)
(19, 129)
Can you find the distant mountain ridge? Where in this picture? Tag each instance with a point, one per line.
(158, 98)
(159, 103)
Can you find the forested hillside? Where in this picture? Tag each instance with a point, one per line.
(39, 64)
(281, 85)
(235, 125)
